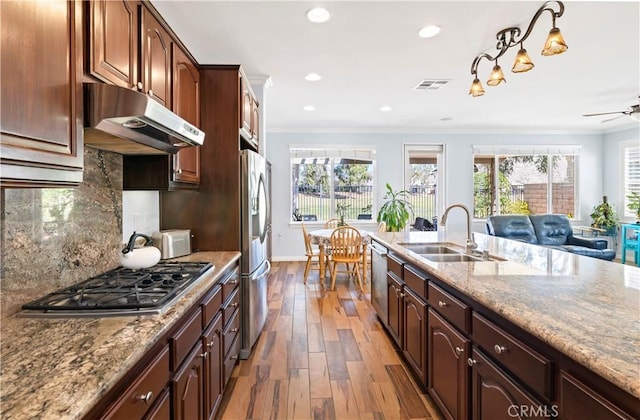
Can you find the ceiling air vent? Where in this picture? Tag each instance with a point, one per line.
(430, 84)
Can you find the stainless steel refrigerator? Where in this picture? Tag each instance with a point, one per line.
(254, 265)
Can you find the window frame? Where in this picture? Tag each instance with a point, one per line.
(624, 189)
(332, 153)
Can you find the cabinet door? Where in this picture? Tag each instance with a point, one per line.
(41, 96)
(255, 120)
(113, 41)
(213, 375)
(447, 367)
(395, 299)
(579, 401)
(188, 387)
(155, 59)
(186, 103)
(496, 396)
(245, 112)
(415, 334)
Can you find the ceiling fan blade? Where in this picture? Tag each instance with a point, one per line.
(614, 118)
(603, 113)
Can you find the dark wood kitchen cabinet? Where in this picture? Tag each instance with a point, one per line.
(415, 333)
(448, 350)
(188, 386)
(155, 59)
(249, 115)
(395, 304)
(579, 401)
(41, 109)
(113, 41)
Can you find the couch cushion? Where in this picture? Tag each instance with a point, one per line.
(603, 254)
(551, 229)
(512, 226)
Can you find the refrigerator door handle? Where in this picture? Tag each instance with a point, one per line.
(263, 274)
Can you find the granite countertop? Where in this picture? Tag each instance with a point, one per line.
(61, 367)
(586, 308)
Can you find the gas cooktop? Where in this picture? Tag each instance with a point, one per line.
(121, 291)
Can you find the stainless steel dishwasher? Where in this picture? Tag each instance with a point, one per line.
(379, 281)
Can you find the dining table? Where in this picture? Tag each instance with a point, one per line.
(322, 238)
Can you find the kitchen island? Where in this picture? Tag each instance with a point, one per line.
(61, 368)
(584, 309)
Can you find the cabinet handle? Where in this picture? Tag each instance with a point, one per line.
(471, 362)
(146, 398)
(204, 355)
(235, 330)
(233, 357)
(499, 349)
(235, 304)
(234, 281)
(150, 93)
(139, 85)
(459, 350)
(442, 304)
(178, 171)
(401, 295)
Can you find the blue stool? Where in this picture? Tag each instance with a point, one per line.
(631, 241)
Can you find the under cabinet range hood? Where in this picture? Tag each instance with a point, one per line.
(129, 122)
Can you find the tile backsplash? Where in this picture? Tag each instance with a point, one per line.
(54, 237)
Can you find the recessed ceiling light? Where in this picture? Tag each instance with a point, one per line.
(446, 119)
(318, 15)
(309, 108)
(429, 31)
(312, 77)
(385, 108)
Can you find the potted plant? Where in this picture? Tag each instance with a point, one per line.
(634, 205)
(342, 213)
(604, 217)
(396, 211)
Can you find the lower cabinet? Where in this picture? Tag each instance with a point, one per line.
(579, 401)
(395, 298)
(448, 371)
(186, 377)
(188, 386)
(495, 396)
(415, 334)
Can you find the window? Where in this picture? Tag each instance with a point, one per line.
(422, 179)
(528, 180)
(326, 179)
(631, 172)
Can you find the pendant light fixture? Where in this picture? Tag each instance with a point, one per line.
(510, 37)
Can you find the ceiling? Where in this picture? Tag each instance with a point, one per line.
(370, 56)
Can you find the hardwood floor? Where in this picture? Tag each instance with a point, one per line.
(322, 355)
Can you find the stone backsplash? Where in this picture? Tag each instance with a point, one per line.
(55, 237)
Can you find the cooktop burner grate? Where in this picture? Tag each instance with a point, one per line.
(121, 291)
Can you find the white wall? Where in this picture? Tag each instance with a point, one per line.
(612, 166)
(140, 213)
(287, 238)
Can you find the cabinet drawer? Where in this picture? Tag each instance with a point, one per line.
(162, 410)
(231, 359)
(416, 281)
(394, 265)
(230, 331)
(144, 391)
(184, 339)
(230, 307)
(525, 363)
(456, 312)
(211, 305)
(230, 283)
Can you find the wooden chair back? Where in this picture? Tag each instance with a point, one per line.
(308, 249)
(346, 244)
(331, 223)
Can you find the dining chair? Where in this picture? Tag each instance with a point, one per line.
(382, 227)
(313, 255)
(346, 248)
(331, 223)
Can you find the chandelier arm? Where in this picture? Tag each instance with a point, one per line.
(544, 8)
(476, 61)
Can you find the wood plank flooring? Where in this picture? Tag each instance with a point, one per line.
(322, 355)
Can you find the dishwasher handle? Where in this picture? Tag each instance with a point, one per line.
(379, 249)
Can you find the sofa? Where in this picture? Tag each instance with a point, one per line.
(550, 230)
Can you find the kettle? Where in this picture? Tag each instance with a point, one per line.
(144, 257)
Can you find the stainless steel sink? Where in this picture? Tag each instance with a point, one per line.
(451, 257)
(433, 248)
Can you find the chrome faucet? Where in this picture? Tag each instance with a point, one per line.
(471, 244)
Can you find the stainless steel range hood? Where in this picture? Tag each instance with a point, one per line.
(129, 122)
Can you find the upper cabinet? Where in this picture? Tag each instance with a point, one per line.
(41, 109)
(113, 37)
(155, 59)
(249, 113)
(186, 103)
